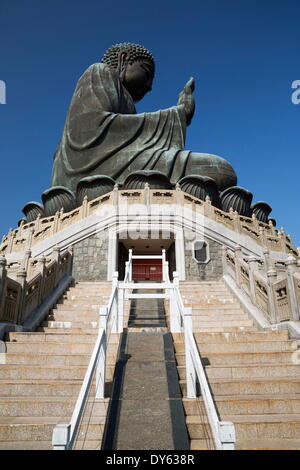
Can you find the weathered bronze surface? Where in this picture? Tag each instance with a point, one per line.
(103, 135)
(238, 199)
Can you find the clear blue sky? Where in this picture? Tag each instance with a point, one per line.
(243, 54)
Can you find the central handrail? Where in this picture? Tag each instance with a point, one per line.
(223, 432)
(64, 435)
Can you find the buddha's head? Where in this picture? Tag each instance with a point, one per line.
(135, 65)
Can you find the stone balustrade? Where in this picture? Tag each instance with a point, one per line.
(25, 285)
(28, 235)
(272, 285)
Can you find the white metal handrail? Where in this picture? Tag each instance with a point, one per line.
(64, 434)
(223, 432)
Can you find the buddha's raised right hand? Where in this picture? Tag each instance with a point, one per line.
(187, 100)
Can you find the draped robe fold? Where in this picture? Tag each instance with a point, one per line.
(103, 135)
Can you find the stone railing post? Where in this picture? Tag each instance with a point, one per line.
(71, 257)
(115, 197)
(255, 223)
(224, 262)
(41, 267)
(238, 257)
(298, 258)
(208, 208)
(11, 238)
(291, 264)
(262, 236)
(37, 223)
(55, 222)
(30, 239)
(25, 260)
(272, 277)
(272, 229)
(269, 263)
(281, 236)
(252, 263)
(236, 221)
(56, 257)
(179, 201)
(85, 204)
(3, 275)
(147, 195)
(21, 279)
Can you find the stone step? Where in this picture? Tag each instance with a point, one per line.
(210, 302)
(222, 329)
(232, 359)
(214, 322)
(54, 359)
(85, 298)
(243, 347)
(254, 370)
(268, 444)
(48, 406)
(202, 444)
(41, 428)
(69, 325)
(211, 316)
(251, 386)
(51, 372)
(47, 445)
(37, 388)
(60, 347)
(52, 337)
(70, 315)
(251, 404)
(253, 426)
(236, 337)
(26, 445)
(198, 310)
(220, 301)
(249, 371)
(77, 304)
(69, 331)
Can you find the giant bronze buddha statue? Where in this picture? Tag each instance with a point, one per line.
(103, 134)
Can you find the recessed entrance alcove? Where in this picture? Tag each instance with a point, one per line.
(146, 269)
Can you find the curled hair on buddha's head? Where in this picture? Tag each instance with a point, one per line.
(135, 52)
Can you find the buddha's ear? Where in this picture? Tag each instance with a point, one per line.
(122, 63)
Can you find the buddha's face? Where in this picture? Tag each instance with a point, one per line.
(138, 78)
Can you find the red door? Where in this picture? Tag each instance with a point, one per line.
(147, 270)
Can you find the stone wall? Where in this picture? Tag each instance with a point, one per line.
(210, 271)
(90, 258)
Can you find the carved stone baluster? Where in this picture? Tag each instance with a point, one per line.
(3, 274)
(25, 260)
(30, 239)
(41, 267)
(238, 257)
(298, 258)
(21, 279)
(11, 237)
(272, 277)
(252, 262)
(56, 257)
(291, 264)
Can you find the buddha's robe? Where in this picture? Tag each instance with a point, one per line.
(103, 135)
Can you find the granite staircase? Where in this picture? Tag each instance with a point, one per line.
(146, 410)
(253, 374)
(42, 372)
